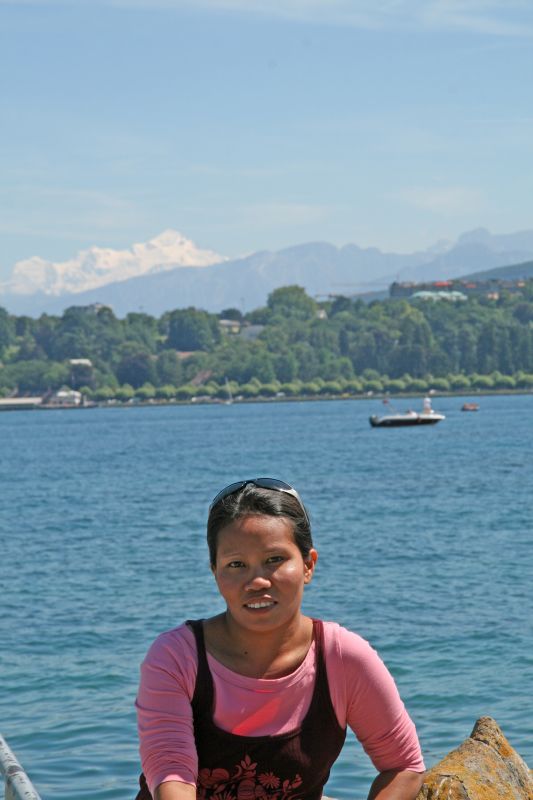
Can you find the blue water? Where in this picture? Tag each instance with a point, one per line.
(425, 547)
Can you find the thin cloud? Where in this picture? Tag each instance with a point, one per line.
(285, 214)
(489, 17)
(447, 200)
(509, 18)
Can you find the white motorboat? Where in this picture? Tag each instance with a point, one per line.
(398, 419)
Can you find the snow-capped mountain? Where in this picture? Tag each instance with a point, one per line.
(156, 285)
(98, 266)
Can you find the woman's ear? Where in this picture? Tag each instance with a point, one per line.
(309, 565)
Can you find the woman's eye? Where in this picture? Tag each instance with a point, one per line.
(235, 564)
(275, 559)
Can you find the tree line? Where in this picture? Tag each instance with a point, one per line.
(294, 346)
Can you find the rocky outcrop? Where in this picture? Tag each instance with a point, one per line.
(483, 767)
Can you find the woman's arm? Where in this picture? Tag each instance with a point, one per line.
(396, 785)
(374, 709)
(175, 790)
(164, 712)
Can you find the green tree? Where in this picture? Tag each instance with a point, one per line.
(141, 328)
(104, 393)
(524, 380)
(136, 369)
(311, 388)
(481, 382)
(354, 386)
(262, 367)
(125, 393)
(55, 376)
(292, 302)
(332, 388)
(467, 346)
(395, 385)
(291, 388)
(186, 392)
(189, 330)
(34, 377)
(487, 348)
(439, 384)
(459, 382)
(286, 366)
(231, 313)
(523, 312)
(168, 368)
(166, 392)
(145, 392)
(269, 389)
(7, 330)
(340, 304)
(364, 352)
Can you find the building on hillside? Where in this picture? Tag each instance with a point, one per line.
(490, 289)
(232, 326)
(450, 297)
(80, 362)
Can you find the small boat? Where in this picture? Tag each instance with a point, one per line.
(470, 407)
(398, 419)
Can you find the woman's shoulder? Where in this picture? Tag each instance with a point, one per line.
(174, 647)
(345, 646)
(342, 637)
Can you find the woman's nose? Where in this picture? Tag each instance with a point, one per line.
(257, 580)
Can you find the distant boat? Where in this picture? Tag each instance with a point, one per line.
(470, 407)
(398, 419)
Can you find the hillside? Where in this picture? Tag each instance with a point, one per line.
(513, 272)
(293, 342)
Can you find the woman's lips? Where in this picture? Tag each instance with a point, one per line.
(257, 605)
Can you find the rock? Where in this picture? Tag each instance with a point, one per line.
(483, 767)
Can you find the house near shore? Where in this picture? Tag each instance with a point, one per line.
(65, 398)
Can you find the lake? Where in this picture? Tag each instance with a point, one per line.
(424, 537)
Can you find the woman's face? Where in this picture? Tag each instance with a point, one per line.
(260, 572)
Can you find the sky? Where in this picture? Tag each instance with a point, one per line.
(259, 124)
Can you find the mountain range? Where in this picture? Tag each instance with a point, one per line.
(98, 266)
(170, 271)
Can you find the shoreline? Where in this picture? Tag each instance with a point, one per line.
(203, 400)
(208, 401)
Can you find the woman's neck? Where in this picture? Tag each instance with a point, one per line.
(258, 654)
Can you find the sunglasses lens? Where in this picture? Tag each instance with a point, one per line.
(272, 483)
(230, 489)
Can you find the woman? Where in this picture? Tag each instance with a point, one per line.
(253, 704)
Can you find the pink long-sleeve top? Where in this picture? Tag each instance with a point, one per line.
(362, 691)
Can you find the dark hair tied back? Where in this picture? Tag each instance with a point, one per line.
(256, 500)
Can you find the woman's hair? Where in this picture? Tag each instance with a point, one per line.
(256, 500)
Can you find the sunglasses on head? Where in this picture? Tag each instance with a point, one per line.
(262, 483)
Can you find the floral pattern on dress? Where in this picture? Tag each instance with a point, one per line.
(245, 782)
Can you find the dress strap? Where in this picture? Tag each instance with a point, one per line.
(203, 697)
(321, 701)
